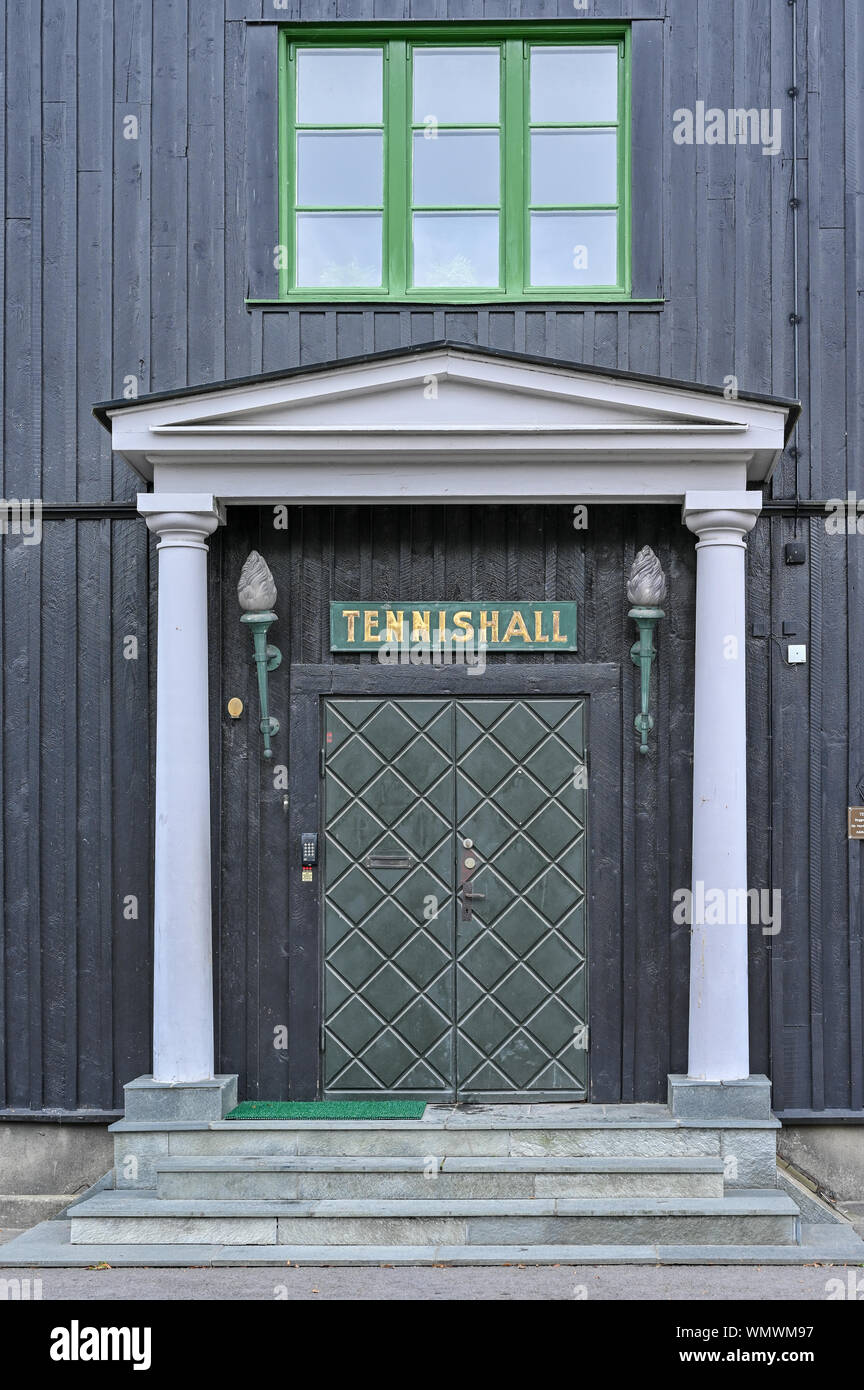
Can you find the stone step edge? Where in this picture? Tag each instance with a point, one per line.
(63, 1255)
(448, 1164)
(427, 1127)
(48, 1246)
(529, 1255)
(741, 1202)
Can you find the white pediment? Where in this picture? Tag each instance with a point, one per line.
(448, 409)
(433, 402)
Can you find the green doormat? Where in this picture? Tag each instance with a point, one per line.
(328, 1110)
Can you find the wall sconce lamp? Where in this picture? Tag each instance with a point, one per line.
(646, 590)
(256, 593)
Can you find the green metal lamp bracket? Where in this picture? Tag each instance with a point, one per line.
(256, 592)
(643, 653)
(646, 589)
(266, 658)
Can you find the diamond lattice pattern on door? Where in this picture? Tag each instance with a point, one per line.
(417, 1000)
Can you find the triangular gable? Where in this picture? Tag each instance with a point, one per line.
(456, 402)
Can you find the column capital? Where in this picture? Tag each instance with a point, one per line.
(721, 518)
(182, 519)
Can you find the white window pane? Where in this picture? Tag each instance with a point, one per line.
(574, 248)
(452, 85)
(340, 169)
(338, 248)
(339, 86)
(574, 84)
(456, 168)
(574, 166)
(458, 249)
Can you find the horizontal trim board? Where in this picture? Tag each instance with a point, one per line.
(571, 678)
(370, 28)
(448, 299)
(481, 431)
(820, 1117)
(789, 506)
(376, 302)
(61, 1117)
(88, 511)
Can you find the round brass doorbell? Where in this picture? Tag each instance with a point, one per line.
(235, 707)
(470, 862)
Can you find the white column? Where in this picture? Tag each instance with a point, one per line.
(183, 962)
(719, 1036)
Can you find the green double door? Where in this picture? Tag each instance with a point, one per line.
(454, 899)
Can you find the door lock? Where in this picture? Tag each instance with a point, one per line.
(466, 872)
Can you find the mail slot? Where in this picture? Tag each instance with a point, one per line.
(388, 861)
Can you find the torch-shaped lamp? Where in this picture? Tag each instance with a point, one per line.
(256, 592)
(646, 590)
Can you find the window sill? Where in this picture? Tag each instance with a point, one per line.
(454, 305)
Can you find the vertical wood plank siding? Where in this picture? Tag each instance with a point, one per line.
(126, 263)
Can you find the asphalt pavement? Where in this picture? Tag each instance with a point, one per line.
(514, 1283)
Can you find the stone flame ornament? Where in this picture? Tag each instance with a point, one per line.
(646, 587)
(646, 590)
(256, 593)
(256, 588)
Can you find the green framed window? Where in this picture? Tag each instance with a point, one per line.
(448, 167)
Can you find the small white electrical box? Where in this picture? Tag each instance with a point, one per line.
(797, 655)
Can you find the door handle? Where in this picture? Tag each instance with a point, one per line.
(468, 898)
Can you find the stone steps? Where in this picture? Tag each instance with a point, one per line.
(311, 1178)
(397, 1140)
(508, 1179)
(690, 1182)
(747, 1217)
(747, 1147)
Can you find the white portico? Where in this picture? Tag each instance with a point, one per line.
(454, 424)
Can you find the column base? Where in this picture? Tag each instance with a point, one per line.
(209, 1099)
(692, 1099)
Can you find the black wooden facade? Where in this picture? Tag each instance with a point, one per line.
(134, 258)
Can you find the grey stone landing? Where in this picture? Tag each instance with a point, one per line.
(694, 1181)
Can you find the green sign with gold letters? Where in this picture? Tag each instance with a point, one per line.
(496, 626)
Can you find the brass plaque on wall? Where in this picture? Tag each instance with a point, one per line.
(856, 822)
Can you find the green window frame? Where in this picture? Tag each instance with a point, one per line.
(392, 211)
